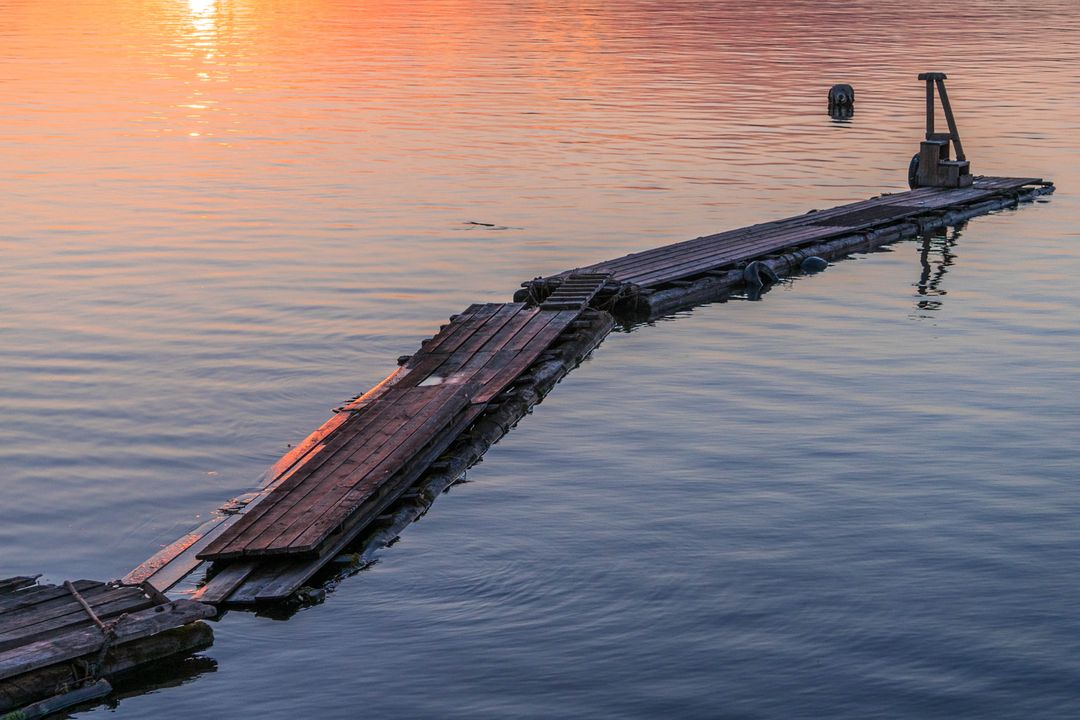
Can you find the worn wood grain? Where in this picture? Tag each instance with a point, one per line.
(82, 641)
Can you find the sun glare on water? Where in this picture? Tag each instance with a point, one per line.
(201, 7)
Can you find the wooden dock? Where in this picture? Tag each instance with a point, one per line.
(376, 464)
(481, 372)
(58, 640)
(666, 278)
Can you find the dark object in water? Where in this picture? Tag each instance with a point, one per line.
(913, 172)
(842, 95)
(758, 276)
(813, 264)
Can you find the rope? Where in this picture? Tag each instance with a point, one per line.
(85, 605)
(108, 631)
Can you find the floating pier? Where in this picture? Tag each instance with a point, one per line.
(660, 280)
(482, 371)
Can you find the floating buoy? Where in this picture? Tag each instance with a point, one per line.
(842, 95)
(758, 276)
(913, 172)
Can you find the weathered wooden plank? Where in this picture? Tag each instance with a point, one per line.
(436, 409)
(61, 606)
(337, 449)
(173, 563)
(53, 607)
(55, 704)
(224, 582)
(157, 563)
(462, 330)
(12, 584)
(707, 257)
(291, 578)
(277, 580)
(43, 593)
(339, 446)
(765, 228)
(484, 331)
(82, 641)
(421, 366)
(912, 197)
(310, 528)
(540, 342)
(258, 535)
(124, 600)
(18, 691)
(326, 507)
(279, 577)
(451, 327)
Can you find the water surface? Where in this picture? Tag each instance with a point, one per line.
(854, 499)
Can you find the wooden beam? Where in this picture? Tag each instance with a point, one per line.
(84, 641)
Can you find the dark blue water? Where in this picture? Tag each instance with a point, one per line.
(856, 498)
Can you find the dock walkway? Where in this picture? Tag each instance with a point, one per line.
(324, 494)
(638, 276)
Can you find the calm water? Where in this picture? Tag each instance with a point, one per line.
(855, 499)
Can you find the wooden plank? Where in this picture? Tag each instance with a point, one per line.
(309, 529)
(453, 325)
(52, 607)
(436, 411)
(43, 593)
(765, 228)
(293, 575)
(61, 606)
(160, 560)
(55, 704)
(83, 641)
(675, 267)
(423, 364)
(28, 687)
(124, 600)
(317, 506)
(485, 332)
(173, 563)
(462, 331)
(228, 544)
(540, 342)
(186, 562)
(258, 535)
(224, 583)
(338, 449)
(18, 582)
